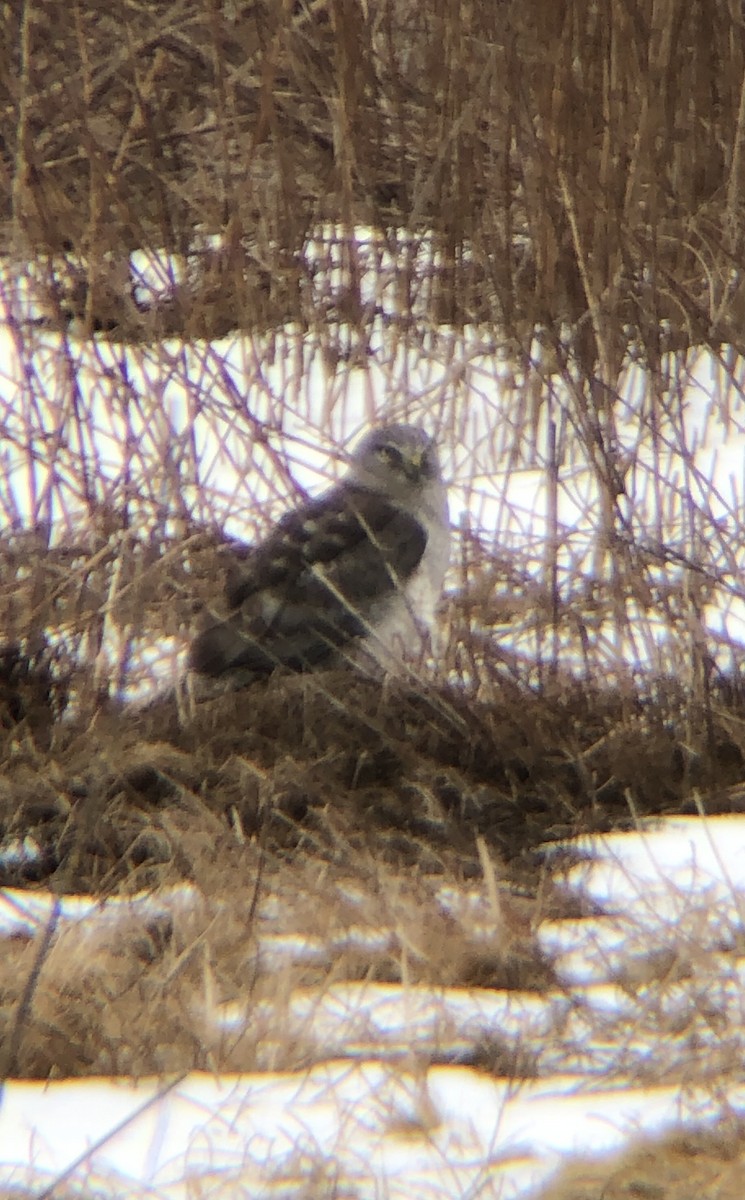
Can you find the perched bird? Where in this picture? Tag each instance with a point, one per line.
(361, 565)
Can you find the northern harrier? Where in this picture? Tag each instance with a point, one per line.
(361, 565)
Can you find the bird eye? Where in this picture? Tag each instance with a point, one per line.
(390, 455)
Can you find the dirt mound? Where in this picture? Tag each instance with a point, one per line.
(334, 764)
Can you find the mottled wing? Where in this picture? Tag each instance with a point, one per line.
(321, 580)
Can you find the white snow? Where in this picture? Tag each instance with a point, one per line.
(364, 1112)
(25, 913)
(370, 1115)
(383, 1130)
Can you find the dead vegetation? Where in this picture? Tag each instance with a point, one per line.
(676, 1168)
(411, 772)
(554, 197)
(288, 795)
(576, 165)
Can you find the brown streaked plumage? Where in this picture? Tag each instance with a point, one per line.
(361, 564)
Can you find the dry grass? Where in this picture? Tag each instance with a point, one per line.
(316, 809)
(337, 766)
(709, 1165)
(553, 194)
(577, 164)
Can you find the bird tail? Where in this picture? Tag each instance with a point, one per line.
(217, 649)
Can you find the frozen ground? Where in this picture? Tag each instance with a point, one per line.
(367, 1119)
(233, 429)
(376, 1123)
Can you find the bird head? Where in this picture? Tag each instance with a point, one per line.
(397, 459)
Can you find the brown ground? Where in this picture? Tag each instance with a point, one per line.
(298, 787)
(336, 765)
(577, 164)
(572, 165)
